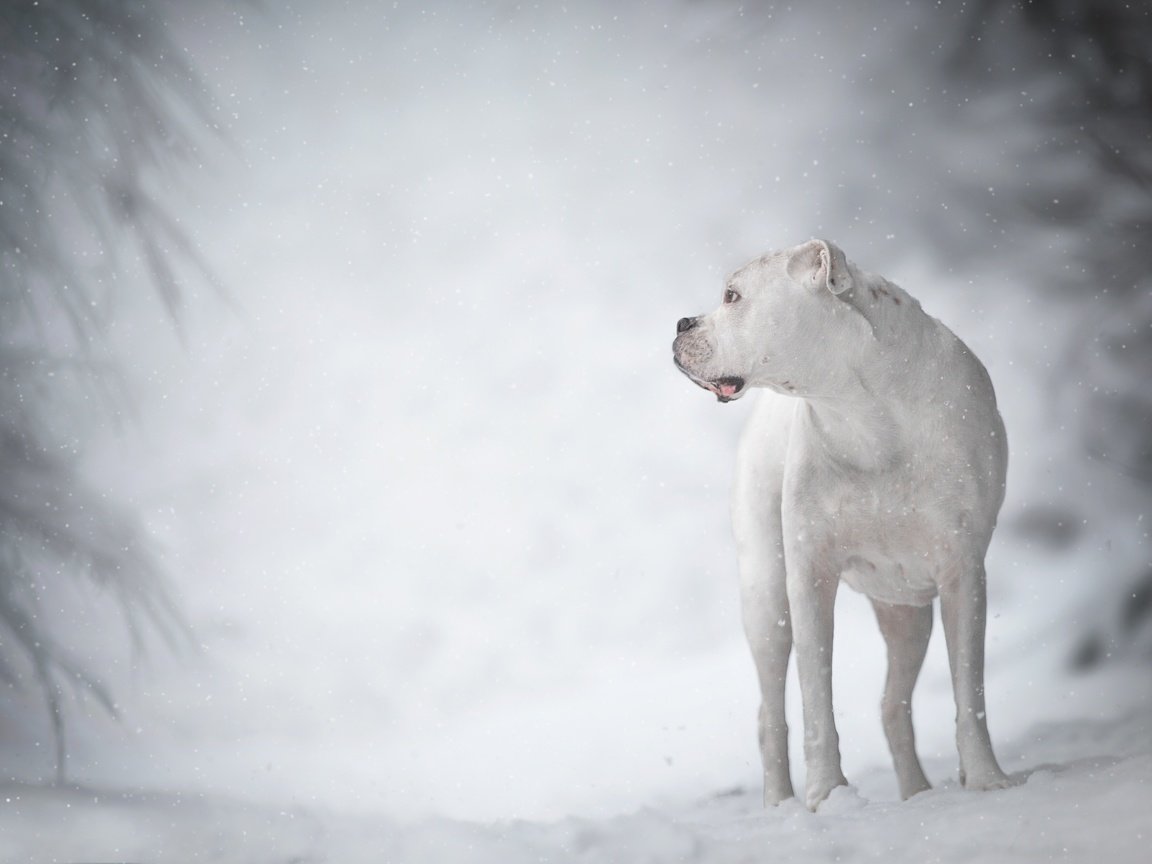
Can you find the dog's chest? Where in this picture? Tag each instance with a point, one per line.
(893, 541)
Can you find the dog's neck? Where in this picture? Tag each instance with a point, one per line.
(855, 428)
(851, 408)
(853, 414)
(883, 304)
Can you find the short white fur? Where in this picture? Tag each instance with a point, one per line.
(877, 457)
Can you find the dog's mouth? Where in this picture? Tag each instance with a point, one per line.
(726, 389)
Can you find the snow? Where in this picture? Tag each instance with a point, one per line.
(451, 530)
(1085, 795)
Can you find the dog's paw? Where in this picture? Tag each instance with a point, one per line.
(775, 792)
(982, 781)
(818, 788)
(913, 791)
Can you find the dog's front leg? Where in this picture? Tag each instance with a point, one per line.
(963, 609)
(811, 598)
(769, 631)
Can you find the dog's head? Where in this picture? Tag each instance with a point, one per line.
(782, 317)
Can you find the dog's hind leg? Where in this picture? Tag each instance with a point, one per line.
(906, 630)
(963, 609)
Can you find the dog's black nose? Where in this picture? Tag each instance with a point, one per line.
(685, 324)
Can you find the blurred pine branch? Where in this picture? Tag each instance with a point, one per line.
(97, 105)
(1091, 180)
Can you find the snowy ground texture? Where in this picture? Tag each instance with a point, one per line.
(1086, 798)
(452, 532)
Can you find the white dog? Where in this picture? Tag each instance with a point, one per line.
(881, 462)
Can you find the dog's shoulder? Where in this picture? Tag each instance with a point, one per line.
(917, 348)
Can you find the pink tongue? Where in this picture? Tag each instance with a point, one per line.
(728, 389)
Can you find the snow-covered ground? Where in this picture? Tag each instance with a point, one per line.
(451, 530)
(1085, 796)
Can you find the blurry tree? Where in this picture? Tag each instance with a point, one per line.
(96, 103)
(1087, 67)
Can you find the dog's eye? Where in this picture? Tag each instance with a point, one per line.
(731, 296)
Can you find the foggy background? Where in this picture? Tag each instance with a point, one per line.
(368, 410)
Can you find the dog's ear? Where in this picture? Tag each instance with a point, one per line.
(820, 264)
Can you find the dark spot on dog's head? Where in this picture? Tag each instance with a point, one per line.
(896, 300)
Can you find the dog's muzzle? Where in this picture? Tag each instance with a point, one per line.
(688, 349)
